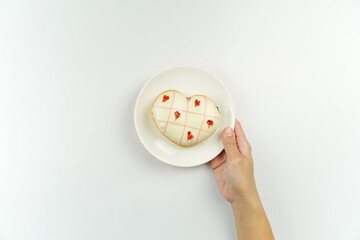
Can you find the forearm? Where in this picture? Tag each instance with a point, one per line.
(251, 221)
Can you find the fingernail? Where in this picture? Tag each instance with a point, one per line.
(228, 132)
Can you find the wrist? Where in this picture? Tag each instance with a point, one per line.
(249, 202)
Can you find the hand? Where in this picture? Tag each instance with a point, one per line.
(233, 168)
(234, 175)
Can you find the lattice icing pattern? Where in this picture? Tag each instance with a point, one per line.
(185, 121)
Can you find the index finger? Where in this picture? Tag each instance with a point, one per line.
(241, 141)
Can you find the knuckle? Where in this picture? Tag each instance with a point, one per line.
(238, 159)
(229, 141)
(250, 148)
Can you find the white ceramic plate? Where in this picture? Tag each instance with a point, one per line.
(189, 81)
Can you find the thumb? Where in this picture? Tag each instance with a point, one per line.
(229, 142)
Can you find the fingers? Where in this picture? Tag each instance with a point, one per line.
(242, 142)
(218, 160)
(229, 142)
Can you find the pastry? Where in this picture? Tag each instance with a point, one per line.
(186, 121)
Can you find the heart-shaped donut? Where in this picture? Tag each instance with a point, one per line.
(185, 121)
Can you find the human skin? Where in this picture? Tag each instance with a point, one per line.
(234, 175)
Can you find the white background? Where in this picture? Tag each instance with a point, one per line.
(72, 167)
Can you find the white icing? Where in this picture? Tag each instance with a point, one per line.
(192, 118)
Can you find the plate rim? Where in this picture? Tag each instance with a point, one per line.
(231, 106)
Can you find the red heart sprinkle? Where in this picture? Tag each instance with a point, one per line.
(190, 136)
(165, 98)
(210, 123)
(197, 102)
(177, 115)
